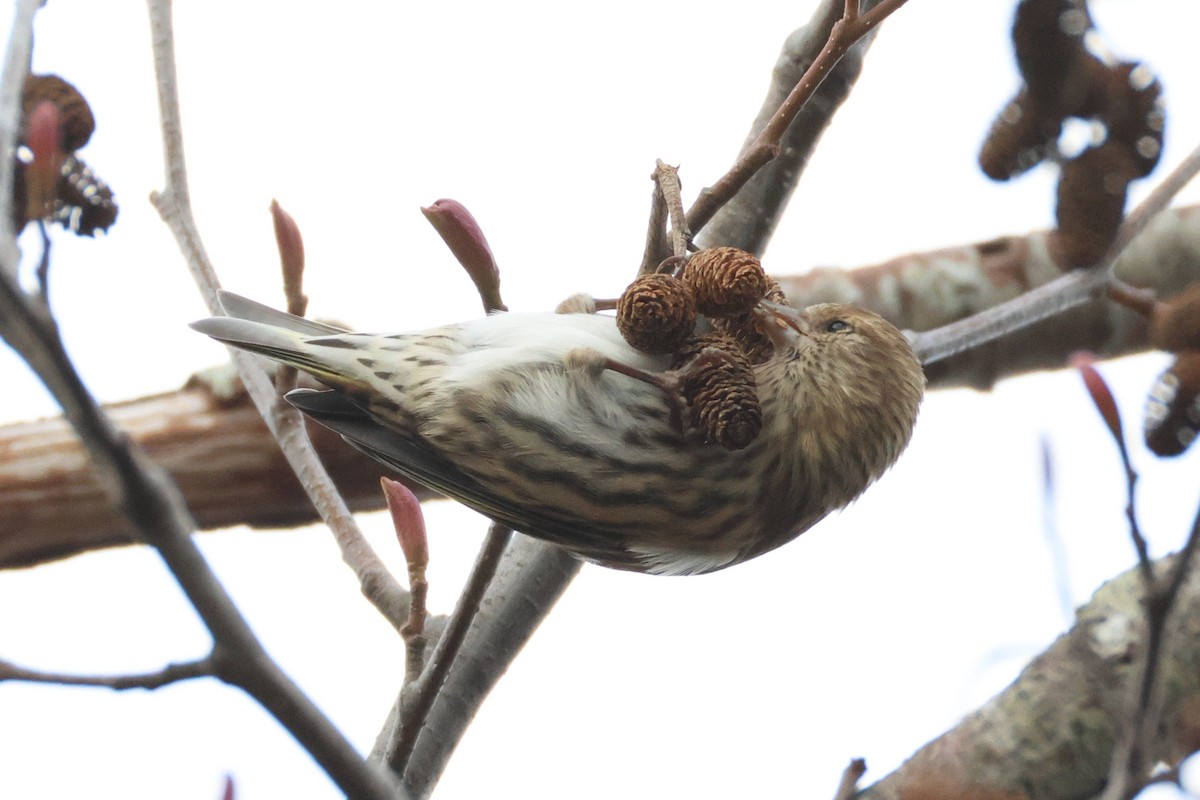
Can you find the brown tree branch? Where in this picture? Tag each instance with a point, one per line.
(1051, 734)
(928, 290)
(213, 444)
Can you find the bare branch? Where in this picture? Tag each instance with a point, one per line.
(172, 673)
(531, 577)
(768, 143)
(1051, 734)
(417, 698)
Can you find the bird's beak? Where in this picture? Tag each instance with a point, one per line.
(782, 324)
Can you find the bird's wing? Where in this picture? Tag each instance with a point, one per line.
(416, 460)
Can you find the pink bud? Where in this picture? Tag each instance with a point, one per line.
(227, 792)
(1101, 395)
(43, 136)
(408, 521)
(466, 241)
(291, 258)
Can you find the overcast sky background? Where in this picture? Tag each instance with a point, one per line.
(870, 635)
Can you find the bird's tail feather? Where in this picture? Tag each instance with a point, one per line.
(277, 335)
(244, 308)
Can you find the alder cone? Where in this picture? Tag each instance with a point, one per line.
(1091, 203)
(721, 391)
(747, 330)
(1172, 414)
(1019, 140)
(1130, 104)
(725, 281)
(1048, 45)
(656, 313)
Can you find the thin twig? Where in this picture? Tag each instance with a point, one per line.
(766, 146)
(172, 673)
(530, 579)
(417, 698)
(656, 231)
(680, 235)
(174, 206)
(848, 786)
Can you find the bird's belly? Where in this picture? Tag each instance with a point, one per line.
(602, 458)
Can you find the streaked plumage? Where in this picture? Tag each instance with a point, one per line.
(508, 415)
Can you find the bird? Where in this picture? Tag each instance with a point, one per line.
(517, 416)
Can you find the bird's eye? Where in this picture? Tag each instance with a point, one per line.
(833, 326)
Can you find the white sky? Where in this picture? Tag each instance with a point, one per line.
(871, 634)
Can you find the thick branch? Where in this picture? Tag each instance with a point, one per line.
(928, 290)
(216, 449)
(1051, 733)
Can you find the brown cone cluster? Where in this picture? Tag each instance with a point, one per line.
(1172, 413)
(1063, 79)
(657, 314)
(77, 199)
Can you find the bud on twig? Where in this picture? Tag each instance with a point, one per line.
(78, 124)
(43, 137)
(466, 241)
(1101, 396)
(291, 258)
(408, 522)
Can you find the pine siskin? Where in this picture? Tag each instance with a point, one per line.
(516, 416)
